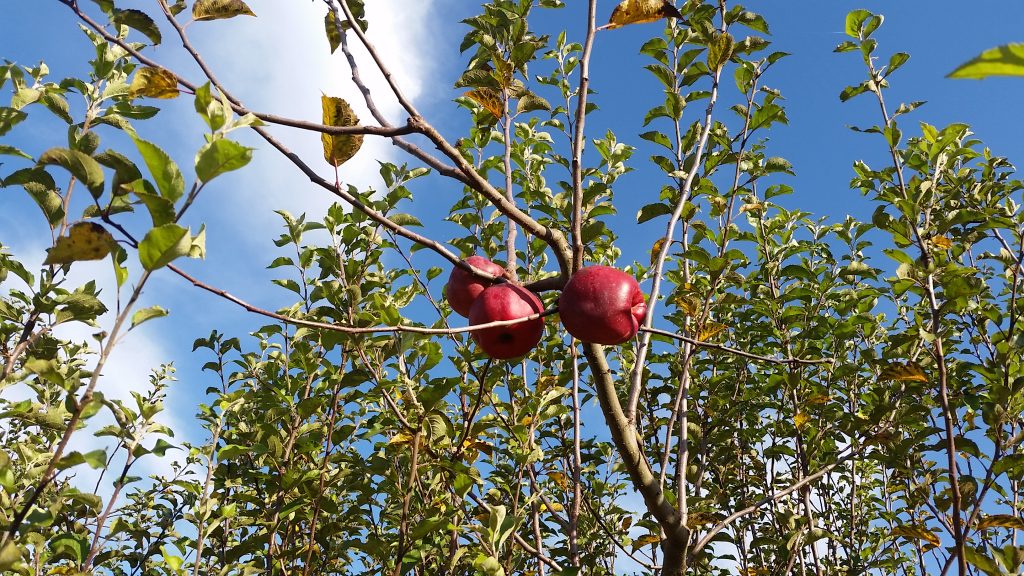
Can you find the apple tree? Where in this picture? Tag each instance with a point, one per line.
(762, 391)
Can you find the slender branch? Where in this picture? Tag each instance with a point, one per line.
(352, 329)
(652, 300)
(767, 499)
(578, 139)
(736, 351)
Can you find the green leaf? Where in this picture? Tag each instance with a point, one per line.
(531, 102)
(164, 244)
(95, 459)
(12, 151)
(333, 35)
(855, 22)
(652, 211)
(138, 20)
(720, 50)
(1006, 60)
(982, 561)
(405, 220)
(147, 314)
(220, 156)
(166, 174)
(219, 9)
(10, 556)
(82, 166)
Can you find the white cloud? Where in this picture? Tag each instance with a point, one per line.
(280, 63)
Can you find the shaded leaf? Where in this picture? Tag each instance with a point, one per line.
(82, 166)
(138, 20)
(85, 241)
(339, 148)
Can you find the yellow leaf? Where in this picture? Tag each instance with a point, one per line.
(154, 83)
(801, 419)
(219, 9)
(690, 305)
(490, 99)
(941, 242)
(339, 148)
(754, 208)
(710, 330)
(559, 479)
(85, 241)
(555, 507)
(645, 540)
(916, 532)
(640, 12)
(656, 250)
(1001, 521)
(526, 420)
(909, 372)
(818, 399)
(546, 382)
(697, 519)
(400, 438)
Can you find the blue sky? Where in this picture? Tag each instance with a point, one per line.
(278, 63)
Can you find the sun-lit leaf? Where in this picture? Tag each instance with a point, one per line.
(166, 174)
(147, 314)
(163, 244)
(220, 156)
(800, 419)
(85, 241)
(941, 242)
(659, 245)
(219, 9)
(154, 83)
(339, 148)
(720, 50)
(490, 99)
(1006, 60)
(909, 372)
(641, 12)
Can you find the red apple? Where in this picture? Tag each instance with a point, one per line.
(602, 305)
(507, 302)
(464, 287)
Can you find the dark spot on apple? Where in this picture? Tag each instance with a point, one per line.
(506, 338)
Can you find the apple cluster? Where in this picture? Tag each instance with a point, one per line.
(599, 304)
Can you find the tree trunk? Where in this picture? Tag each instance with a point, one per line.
(674, 559)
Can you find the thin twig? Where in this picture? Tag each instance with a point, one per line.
(737, 351)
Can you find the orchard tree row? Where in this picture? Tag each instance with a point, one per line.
(781, 393)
